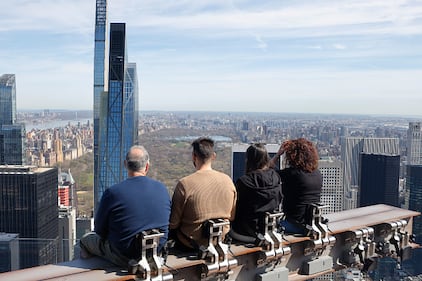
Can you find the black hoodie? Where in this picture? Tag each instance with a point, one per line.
(258, 192)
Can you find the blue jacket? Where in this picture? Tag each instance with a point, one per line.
(127, 208)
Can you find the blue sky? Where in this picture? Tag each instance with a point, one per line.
(359, 57)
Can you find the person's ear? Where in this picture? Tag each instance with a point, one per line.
(213, 156)
(146, 167)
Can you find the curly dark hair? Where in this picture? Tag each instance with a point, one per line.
(301, 154)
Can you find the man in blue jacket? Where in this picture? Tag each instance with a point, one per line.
(136, 204)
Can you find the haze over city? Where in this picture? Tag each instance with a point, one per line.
(349, 57)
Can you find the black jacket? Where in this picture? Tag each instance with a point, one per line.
(258, 192)
(299, 189)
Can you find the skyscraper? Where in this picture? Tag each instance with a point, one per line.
(414, 186)
(351, 148)
(7, 99)
(118, 116)
(12, 135)
(332, 184)
(29, 207)
(379, 179)
(100, 84)
(414, 143)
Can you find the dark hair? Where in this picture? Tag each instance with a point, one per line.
(203, 148)
(136, 161)
(301, 154)
(256, 157)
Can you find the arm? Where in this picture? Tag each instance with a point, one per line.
(177, 206)
(233, 211)
(101, 217)
(276, 157)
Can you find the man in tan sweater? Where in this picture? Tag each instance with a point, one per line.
(203, 195)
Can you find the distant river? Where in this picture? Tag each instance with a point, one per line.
(42, 125)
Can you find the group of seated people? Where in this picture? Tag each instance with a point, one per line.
(141, 203)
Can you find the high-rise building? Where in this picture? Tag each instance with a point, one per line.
(351, 148)
(332, 185)
(12, 135)
(58, 148)
(414, 187)
(66, 187)
(414, 143)
(239, 158)
(7, 99)
(28, 207)
(67, 233)
(100, 84)
(118, 116)
(12, 144)
(379, 179)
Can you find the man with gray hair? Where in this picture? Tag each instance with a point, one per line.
(136, 204)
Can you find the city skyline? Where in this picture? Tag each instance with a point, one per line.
(349, 57)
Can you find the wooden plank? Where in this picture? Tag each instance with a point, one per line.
(98, 275)
(58, 270)
(366, 216)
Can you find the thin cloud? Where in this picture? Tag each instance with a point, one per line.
(339, 46)
(261, 44)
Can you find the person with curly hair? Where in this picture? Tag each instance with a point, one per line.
(301, 182)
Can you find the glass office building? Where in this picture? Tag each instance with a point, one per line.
(12, 144)
(100, 78)
(28, 207)
(7, 99)
(379, 179)
(12, 135)
(119, 115)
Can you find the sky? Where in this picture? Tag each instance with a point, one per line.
(346, 57)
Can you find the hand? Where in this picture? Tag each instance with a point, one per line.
(280, 150)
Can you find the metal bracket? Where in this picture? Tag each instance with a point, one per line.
(272, 246)
(149, 266)
(216, 254)
(319, 230)
(320, 240)
(359, 246)
(392, 238)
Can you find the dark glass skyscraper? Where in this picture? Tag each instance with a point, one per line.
(379, 179)
(28, 206)
(7, 99)
(100, 82)
(12, 144)
(414, 185)
(12, 135)
(119, 115)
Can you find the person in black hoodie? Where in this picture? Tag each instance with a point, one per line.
(259, 191)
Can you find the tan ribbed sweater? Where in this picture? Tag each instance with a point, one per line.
(203, 195)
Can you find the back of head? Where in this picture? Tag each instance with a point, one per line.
(137, 158)
(203, 148)
(256, 157)
(301, 154)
